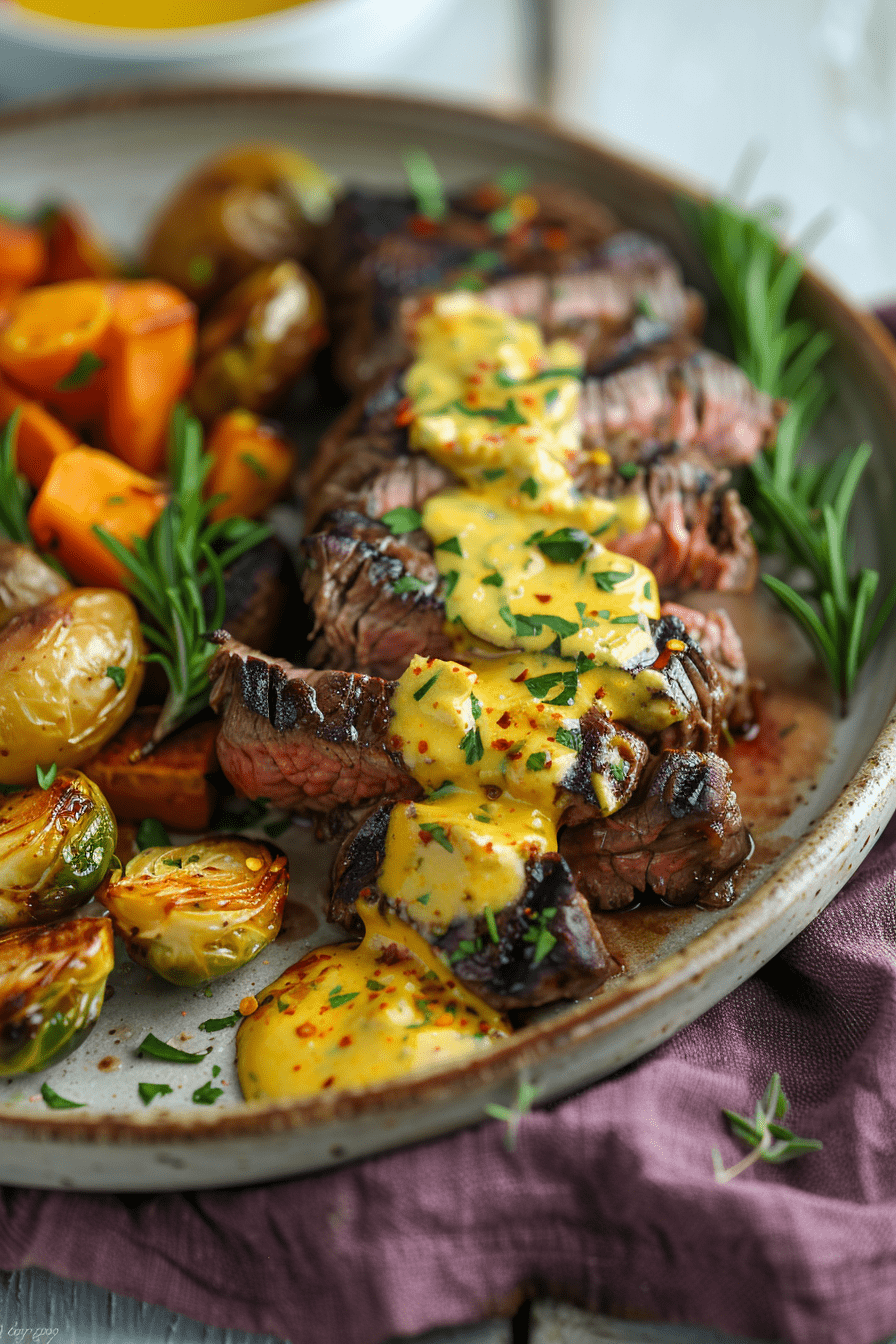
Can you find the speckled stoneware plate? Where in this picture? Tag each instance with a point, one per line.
(817, 791)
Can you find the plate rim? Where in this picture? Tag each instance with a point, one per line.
(869, 794)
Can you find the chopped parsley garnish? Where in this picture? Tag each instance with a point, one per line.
(631, 619)
(441, 792)
(282, 1005)
(220, 1023)
(374, 985)
(476, 706)
(529, 487)
(427, 686)
(408, 583)
(471, 746)
(149, 1090)
(117, 675)
(628, 470)
(565, 546)
(559, 624)
(537, 761)
(255, 466)
(151, 1045)
(450, 580)
(424, 899)
(491, 924)
(482, 816)
(607, 579)
(337, 999)
(207, 1094)
(172, 863)
(570, 737)
(467, 947)
(425, 184)
(82, 373)
(540, 934)
(538, 687)
(438, 834)
(402, 520)
(647, 590)
(151, 833)
(619, 771)
(57, 1103)
(494, 473)
(495, 580)
(452, 545)
(45, 777)
(508, 414)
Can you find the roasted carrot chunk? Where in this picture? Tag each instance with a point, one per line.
(40, 437)
(251, 465)
(74, 251)
(171, 784)
(53, 345)
(151, 342)
(23, 254)
(84, 488)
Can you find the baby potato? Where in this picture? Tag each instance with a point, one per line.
(25, 580)
(52, 983)
(193, 912)
(55, 847)
(252, 205)
(257, 340)
(70, 671)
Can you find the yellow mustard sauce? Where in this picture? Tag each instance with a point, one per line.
(547, 623)
(156, 14)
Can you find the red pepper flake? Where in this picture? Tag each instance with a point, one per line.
(501, 743)
(365, 891)
(330, 1081)
(423, 748)
(426, 837)
(346, 1040)
(515, 756)
(306, 1029)
(404, 412)
(522, 676)
(504, 721)
(395, 742)
(542, 597)
(599, 693)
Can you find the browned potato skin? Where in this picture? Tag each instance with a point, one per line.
(25, 580)
(257, 340)
(251, 206)
(57, 700)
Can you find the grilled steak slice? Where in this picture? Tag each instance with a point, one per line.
(715, 634)
(313, 741)
(701, 400)
(373, 597)
(548, 945)
(681, 838)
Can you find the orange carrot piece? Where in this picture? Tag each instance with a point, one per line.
(40, 437)
(23, 254)
(251, 465)
(53, 344)
(74, 251)
(151, 344)
(86, 487)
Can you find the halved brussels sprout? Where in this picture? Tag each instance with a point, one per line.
(55, 847)
(252, 205)
(70, 671)
(257, 340)
(193, 912)
(25, 580)
(52, 983)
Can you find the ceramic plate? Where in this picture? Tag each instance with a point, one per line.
(817, 795)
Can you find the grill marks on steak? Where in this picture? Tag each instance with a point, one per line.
(682, 837)
(516, 971)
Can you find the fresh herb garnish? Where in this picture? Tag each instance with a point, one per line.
(183, 554)
(149, 1090)
(424, 899)
(539, 934)
(803, 505)
(172, 863)
(565, 546)
(570, 737)
(495, 580)
(220, 1023)
(427, 686)
(607, 579)
(402, 520)
(631, 618)
(374, 985)
(450, 581)
(117, 674)
(337, 999)
(151, 1045)
(619, 771)
(494, 473)
(151, 834)
(441, 792)
(82, 373)
(769, 1140)
(452, 545)
(13, 489)
(207, 1094)
(408, 583)
(475, 706)
(57, 1103)
(45, 777)
(628, 470)
(508, 414)
(537, 761)
(538, 687)
(438, 834)
(529, 487)
(512, 1115)
(471, 746)
(491, 924)
(425, 184)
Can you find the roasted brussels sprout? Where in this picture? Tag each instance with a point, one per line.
(70, 671)
(257, 340)
(254, 204)
(52, 983)
(55, 847)
(197, 911)
(25, 580)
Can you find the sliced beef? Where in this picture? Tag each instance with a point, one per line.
(309, 740)
(605, 745)
(256, 588)
(682, 837)
(715, 634)
(373, 595)
(548, 945)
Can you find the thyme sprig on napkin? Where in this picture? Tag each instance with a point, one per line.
(512, 1115)
(801, 507)
(769, 1140)
(183, 554)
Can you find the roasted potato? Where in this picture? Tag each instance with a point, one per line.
(25, 580)
(257, 340)
(52, 983)
(70, 671)
(55, 848)
(195, 912)
(252, 205)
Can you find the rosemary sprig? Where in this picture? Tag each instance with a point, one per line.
(170, 568)
(13, 491)
(801, 507)
(425, 184)
(512, 1115)
(769, 1140)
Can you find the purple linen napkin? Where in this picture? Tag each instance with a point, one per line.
(609, 1198)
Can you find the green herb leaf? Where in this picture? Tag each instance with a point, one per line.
(452, 545)
(607, 579)
(172, 863)
(512, 1115)
(402, 520)
(149, 1090)
(117, 674)
(424, 899)
(471, 746)
(46, 777)
(438, 834)
(494, 473)
(337, 1000)
(627, 470)
(537, 761)
(13, 489)
(408, 583)
(57, 1103)
(152, 834)
(570, 737)
(427, 686)
(82, 373)
(425, 184)
(491, 924)
(221, 1023)
(496, 580)
(151, 1045)
(566, 545)
(529, 487)
(450, 581)
(619, 771)
(768, 1140)
(441, 792)
(374, 985)
(207, 1094)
